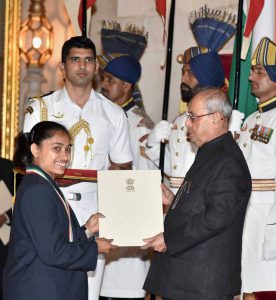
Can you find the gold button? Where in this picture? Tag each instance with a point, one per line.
(177, 153)
(175, 167)
(182, 128)
(86, 148)
(90, 140)
(178, 140)
(244, 145)
(258, 117)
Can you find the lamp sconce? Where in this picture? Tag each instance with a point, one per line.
(36, 46)
(36, 36)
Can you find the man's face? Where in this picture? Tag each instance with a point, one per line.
(188, 83)
(113, 88)
(199, 129)
(262, 86)
(79, 67)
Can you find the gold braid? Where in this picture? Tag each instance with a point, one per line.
(43, 108)
(75, 130)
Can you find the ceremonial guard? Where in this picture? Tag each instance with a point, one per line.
(258, 144)
(98, 129)
(202, 66)
(126, 268)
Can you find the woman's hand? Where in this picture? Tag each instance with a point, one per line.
(104, 245)
(93, 223)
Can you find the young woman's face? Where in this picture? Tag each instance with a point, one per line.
(53, 154)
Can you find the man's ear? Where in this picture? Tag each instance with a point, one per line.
(127, 86)
(97, 67)
(62, 69)
(217, 117)
(34, 150)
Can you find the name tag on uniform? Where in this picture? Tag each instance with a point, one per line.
(261, 134)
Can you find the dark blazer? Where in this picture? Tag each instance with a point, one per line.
(42, 263)
(203, 228)
(6, 175)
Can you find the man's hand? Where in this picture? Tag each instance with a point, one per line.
(123, 166)
(104, 245)
(3, 220)
(157, 243)
(93, 223)
(167, 195)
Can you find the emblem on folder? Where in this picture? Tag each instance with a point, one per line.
(130, 185)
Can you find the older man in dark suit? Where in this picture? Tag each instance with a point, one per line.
(6, 175)
(199, 253)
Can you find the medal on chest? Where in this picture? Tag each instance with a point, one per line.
(261, 133)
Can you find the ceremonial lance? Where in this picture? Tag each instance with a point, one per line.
(167, 81)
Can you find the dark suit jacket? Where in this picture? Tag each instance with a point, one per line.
(6, 175)
(42, 263)
(203, 229)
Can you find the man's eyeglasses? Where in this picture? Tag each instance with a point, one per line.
(76, 59)
(191, 117)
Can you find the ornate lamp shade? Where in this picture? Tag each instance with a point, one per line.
(36, 36)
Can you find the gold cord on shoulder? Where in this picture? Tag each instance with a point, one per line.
(43, 108)
(76, 129)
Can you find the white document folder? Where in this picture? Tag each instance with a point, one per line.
(131, 201)
(5, 198)
(5, 205)
(5, 231)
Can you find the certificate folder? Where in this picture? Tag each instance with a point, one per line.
(5, 205)
(131, 201)
(5, 198)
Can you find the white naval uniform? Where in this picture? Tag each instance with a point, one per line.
(108, 127)
(181, 153)
(126, 269)
(257, 274)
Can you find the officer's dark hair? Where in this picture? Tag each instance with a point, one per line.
(76, 42)
(40, 132)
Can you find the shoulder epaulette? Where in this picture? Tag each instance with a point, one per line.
(146, 121)
(43, 106)
(40, 96)
(47, 94)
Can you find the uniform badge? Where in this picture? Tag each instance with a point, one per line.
(29, 110)
(58, 115)
(261, 134)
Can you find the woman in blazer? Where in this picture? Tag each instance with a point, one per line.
(49, 252)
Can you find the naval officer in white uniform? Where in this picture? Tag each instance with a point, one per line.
(258, 143)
